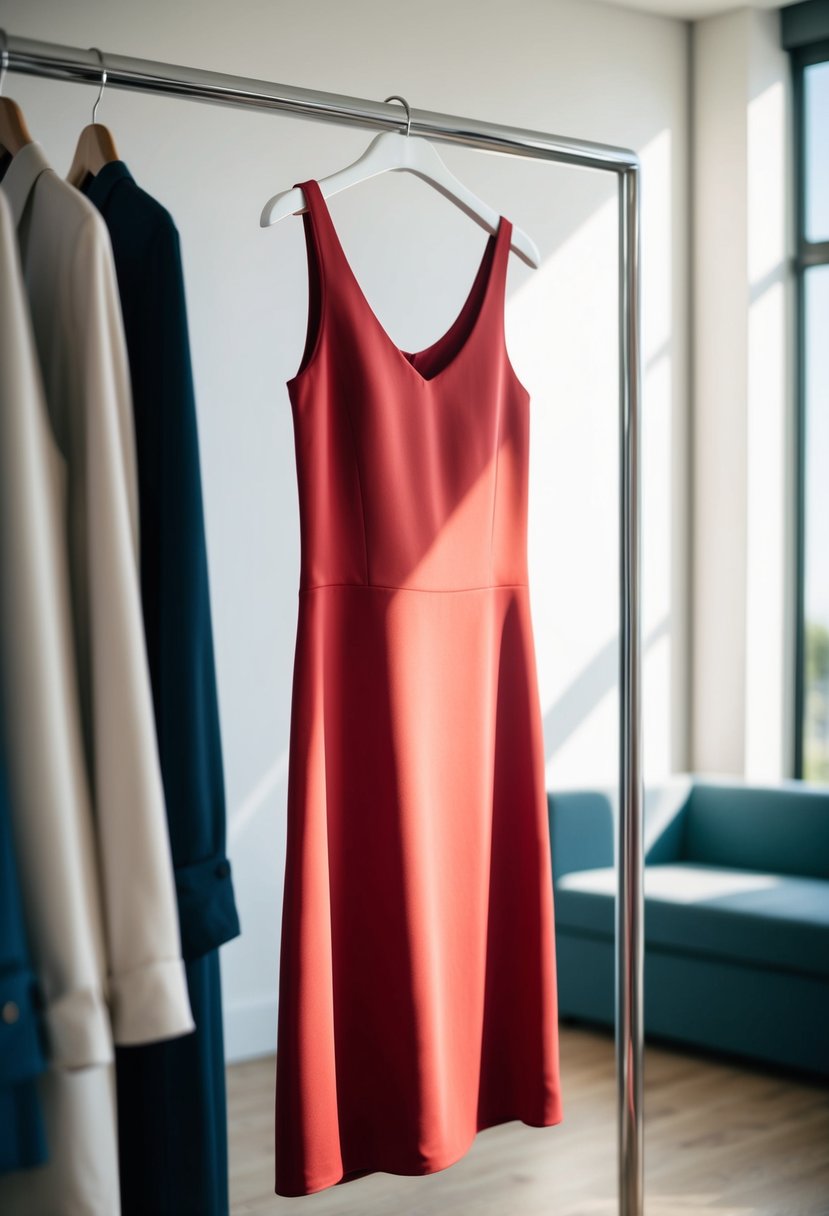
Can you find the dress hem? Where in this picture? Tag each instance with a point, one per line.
(353, 1175)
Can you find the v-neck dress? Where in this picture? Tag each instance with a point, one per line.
(417, 987)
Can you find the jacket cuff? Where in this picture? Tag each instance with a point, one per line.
(78, 1030)
(151, 1003)
(206, 906)
(22, 1054)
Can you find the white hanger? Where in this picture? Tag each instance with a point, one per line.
(393, 151)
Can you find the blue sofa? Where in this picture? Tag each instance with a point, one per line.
(736, 915)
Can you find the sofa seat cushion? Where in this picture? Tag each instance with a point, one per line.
(765, 919)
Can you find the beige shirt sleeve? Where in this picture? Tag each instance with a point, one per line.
(148, 991)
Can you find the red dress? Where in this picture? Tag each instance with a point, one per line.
(417, 991)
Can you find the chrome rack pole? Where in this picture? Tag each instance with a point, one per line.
(34, 58)
(629, 912)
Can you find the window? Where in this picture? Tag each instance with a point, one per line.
(806, 34)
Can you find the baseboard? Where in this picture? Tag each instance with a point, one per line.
(250, 1030)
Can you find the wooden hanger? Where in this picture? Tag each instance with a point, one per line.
(14, 134)
(96, 146)
(390, 150)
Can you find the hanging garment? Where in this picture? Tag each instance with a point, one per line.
(172, 1119)
(67, 265)
(132, 950)
(22, 1058)
(48, 788)
(417, 994)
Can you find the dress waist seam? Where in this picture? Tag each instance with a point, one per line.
(419, 590)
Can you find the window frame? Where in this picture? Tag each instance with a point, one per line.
(808, 254)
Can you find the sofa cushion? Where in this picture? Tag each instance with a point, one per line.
(759, 918)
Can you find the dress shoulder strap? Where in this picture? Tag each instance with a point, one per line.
(496, 284)
(329, 273)
(326, 259)
(318, 223)
(316, 243)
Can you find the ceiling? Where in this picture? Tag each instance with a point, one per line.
(690, 10)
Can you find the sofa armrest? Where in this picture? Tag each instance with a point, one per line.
(583, 825)
(581, 830)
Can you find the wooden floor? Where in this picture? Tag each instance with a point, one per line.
(721, 1140)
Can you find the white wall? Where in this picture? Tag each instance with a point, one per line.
(568, 66)
(743, 577)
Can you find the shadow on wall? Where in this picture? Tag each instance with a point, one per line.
(569, 307)
(599, 678)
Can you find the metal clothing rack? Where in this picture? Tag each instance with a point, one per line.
(33, 58)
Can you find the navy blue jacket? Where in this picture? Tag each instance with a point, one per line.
(171, 1096)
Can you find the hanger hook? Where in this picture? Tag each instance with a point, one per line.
(397, 97)
(103, 82)
(4, 59)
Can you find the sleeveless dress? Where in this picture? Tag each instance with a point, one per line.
(417, 990)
